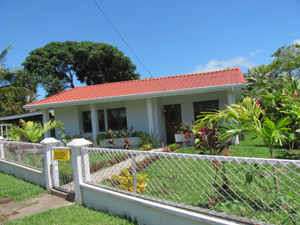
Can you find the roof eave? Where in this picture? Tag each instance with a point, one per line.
(135, 96)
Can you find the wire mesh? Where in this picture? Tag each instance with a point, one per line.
(28, 154)
(258, 191)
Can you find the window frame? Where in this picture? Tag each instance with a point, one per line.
(101, 128)
(87, 123)
(118, 118)
(196, 113)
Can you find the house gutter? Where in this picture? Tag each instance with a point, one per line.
(135, 96)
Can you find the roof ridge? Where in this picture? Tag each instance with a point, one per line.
(157, 78)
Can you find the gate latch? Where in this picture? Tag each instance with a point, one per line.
(51, 165)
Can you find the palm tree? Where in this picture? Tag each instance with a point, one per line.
(7, 77)
(33, 131)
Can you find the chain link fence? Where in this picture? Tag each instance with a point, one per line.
(255, 191)
(28, 154)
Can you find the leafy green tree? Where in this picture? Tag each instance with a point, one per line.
(34, 131)
(58, 64)
(287, 60)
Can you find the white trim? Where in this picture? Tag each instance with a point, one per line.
(135, 96)
(150, 115)
(46, 119)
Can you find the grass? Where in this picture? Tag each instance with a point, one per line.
(253, 148)
(196, 183)
(74, 214)
(17, 189)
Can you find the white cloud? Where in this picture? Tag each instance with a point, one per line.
(297, 41)
(255, 52)
(214, 64)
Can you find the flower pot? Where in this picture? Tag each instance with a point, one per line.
(180, 138)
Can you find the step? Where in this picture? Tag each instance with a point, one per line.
(65, 195)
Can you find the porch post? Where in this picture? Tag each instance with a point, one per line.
(2, 148)
(46, 118)
(231, 100)
(95, 124)
(48, 143)
(150, 115)
(75, 146)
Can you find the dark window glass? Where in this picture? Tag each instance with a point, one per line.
(207, 106)
(101, 120)
(87, 122)
(116, 119)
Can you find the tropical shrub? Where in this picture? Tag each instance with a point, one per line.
(153, 139)
(34, 131)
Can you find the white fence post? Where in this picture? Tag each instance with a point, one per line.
(48, 143)
(75, 146)
(1, 148)
(134, 180)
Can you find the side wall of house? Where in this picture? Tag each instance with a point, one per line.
(70, 117)
(136, 112)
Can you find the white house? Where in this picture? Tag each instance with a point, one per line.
(156, 104)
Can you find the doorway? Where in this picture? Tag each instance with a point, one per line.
(173, 120)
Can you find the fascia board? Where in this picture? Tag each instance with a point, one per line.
(136, 96)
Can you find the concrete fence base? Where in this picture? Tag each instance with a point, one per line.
(144, 211)
(25, 173)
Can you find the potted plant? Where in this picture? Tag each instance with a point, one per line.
(181, 130)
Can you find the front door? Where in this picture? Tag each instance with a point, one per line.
(173, 121)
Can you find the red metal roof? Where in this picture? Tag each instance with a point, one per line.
(144, 86)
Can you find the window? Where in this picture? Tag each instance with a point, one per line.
(207, 106)
(87, 122)
(116, 119)
(101, 120)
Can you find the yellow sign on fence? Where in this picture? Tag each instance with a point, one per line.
(61, 154)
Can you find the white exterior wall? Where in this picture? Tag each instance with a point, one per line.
(69, 116)
(136, 112)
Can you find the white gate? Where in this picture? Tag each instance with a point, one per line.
(62, 170)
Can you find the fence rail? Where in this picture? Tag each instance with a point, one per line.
(28, 154)
(258, 191)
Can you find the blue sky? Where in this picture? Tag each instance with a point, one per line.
(169, 37)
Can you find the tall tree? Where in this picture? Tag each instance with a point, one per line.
(286, 60)
(57, 64)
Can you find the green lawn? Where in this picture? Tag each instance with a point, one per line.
(74, 214)
(17, 189)
(196, 183)
(254, 148)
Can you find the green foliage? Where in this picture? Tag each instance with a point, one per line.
(153, 139)
(174, 146)
(16, 88)
(183, 128)
(57, 64)
(33, 131)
